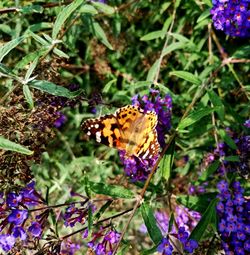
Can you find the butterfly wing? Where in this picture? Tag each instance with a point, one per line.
(104, 130)
(138, 133)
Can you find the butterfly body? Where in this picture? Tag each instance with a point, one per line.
(130, 129)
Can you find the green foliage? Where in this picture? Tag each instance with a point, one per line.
(113, 51)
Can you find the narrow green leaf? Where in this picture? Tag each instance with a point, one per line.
(208, 2)
(8, 145)
(39, 39)
(227, 139)
(53, 89)
(28, 9)
(150, 222)
(205, 220)
(152, 250)
(60, 53)
(7, 47)
(31, 68)
(174, 46)
(186, 76)
(114, 191)
(63, 16)
(40, 26)
(100, 34)
(167, 162)
(108, 86)
(152, 71)
(209, 171)
(29, 58)
(7, 71)
(104, 8)
(90, 219)
(153, 35)
(196, 203)
(242, 52)
(204, 15)
(216, 101)
(195, 116)
(103, 209)
(87, 8)
(28, 96)
(234, 158)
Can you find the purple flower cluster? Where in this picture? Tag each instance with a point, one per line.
(232, 17)
(247, 123)
(138, 169)
(234, 221)
(103, 242)
(14, 214)
(166, 246)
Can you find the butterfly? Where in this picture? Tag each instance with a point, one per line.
(129, 129)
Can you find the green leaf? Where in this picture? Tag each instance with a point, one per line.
(108, 86)
(28, 96)
(63, 16)
(87, 8)
(205, 220)
(31, 68)
(209, 171)
(104, 8)
(7, 71)
(227, 139)
(208, 2)
(195, 116)
(90, 219)
(242, 52)
(196, 203)
(103, 209)
(28, 9)
(152, 71)
(40, 26)
(114, 191)
(29, 58)
(204, 15)
(167, 162)
(216, 101)
(8, 145)
(174, 46)
(150, 251)
(60, 53)
(186, 76)
(234, 158)
(53, 89)
(153, 35)
(7, 47)
(100, 34)
(150, 222)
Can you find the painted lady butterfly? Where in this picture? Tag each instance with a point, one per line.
(129, 129)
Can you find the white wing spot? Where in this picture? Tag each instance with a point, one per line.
(92, 125)
(96, 126)
(88, 133)
(89, 128)
(146, 154)
(98, 136)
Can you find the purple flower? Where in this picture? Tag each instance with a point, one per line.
(69, 248)
(7, 242)
(247, 123)
(190, 246)
(182, 235)
(13, 199)
(60, 121)
(35, 229)
(103, 244)
(19, 232)
(232, 17)
(17, 216)
(165, 247)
